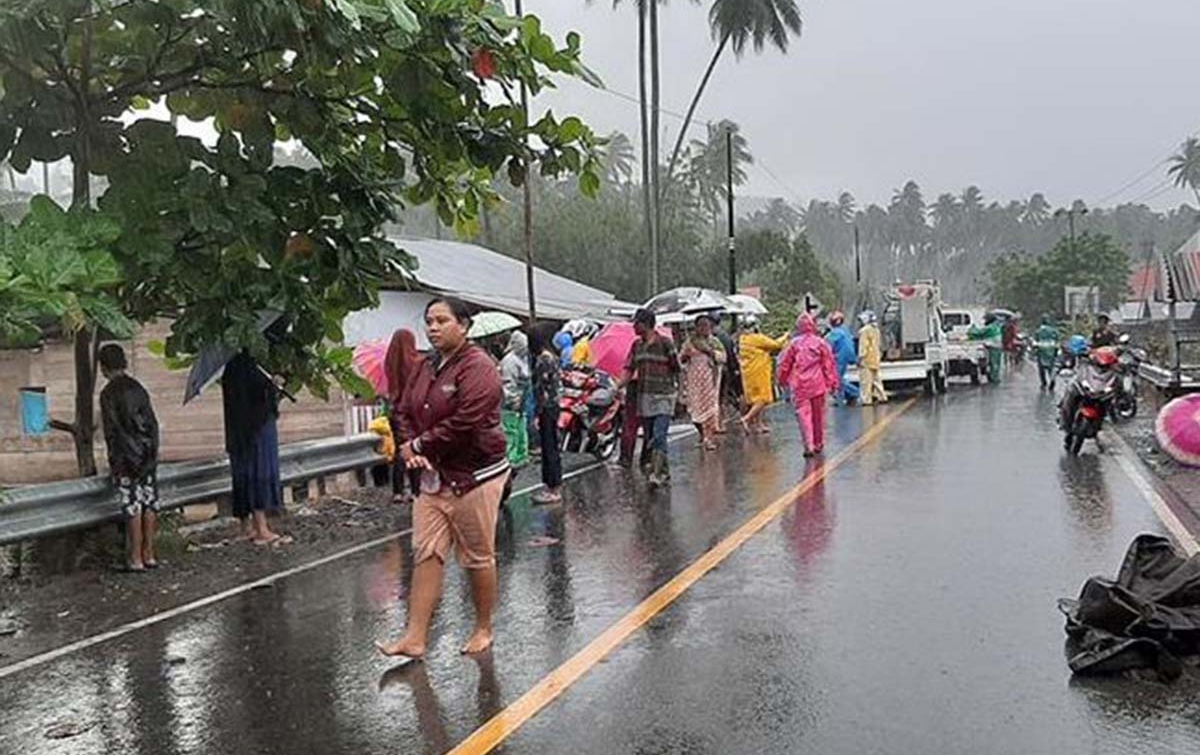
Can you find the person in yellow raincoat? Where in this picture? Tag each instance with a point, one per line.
(755, 355)
(870, 355)
(387, 444)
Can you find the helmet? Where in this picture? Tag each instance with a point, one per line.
(749, 321)
(1077, 345)
(1104, 357)
(579, 329)
(836, 318)
(866, 316)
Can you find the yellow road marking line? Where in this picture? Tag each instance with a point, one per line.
(503, 724)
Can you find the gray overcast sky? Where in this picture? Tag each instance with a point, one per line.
(1071, 97)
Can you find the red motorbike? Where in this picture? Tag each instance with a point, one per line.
(590, 412)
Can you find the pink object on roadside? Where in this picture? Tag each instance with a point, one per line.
(369, 361)
(1178, 430)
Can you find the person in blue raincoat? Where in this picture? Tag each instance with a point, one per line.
(566, 346)
(844, 354)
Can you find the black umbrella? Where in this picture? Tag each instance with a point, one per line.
(680, 304)
(210, 364)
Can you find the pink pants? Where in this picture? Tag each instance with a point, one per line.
(810, 412)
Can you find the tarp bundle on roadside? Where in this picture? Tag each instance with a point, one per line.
(1148, 618)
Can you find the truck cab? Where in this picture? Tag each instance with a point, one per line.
(965, 357)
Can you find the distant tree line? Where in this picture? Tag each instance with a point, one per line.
(956, 238)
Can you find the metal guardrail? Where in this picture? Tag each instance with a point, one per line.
(1164, 377)
(40, 510)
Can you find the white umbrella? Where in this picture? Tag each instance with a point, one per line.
(487, 324)
(743, 304)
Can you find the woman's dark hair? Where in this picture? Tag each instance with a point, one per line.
(459, 308)
(541, 338)
(112, 357)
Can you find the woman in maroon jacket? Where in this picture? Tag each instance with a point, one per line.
(450, 418)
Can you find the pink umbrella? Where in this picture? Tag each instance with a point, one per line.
(610, 347)
(369, 359)
(1178, 429)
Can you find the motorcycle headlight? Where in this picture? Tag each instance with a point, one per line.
(1087, 386)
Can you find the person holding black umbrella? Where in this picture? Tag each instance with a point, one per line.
(251, 404)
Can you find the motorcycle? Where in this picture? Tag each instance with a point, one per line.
(1129, 359)
(591, 412)
(1090, 397)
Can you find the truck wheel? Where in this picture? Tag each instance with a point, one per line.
(974, 373)
(939, 381)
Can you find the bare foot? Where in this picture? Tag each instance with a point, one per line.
(479, 641)
(403, 646)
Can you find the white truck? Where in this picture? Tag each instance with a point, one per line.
(915, 353)
(964, 356)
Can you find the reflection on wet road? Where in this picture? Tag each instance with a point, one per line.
(904, 604)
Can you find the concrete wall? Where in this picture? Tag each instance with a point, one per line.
(192, 432)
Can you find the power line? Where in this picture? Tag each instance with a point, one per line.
(702, 124)
(1142, 176)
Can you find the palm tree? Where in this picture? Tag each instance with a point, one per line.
(846, 207)
(1037, 210)
(618, 158)
(736, 23)
(944, 212)
(782, 216)
(1185, 166)
(708, 165)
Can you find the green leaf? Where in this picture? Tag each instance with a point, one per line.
(589, 183)
(571, 129)
(356, 385)
(403, 16)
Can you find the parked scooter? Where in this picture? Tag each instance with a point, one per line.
(1129, 359)
(590, 412)
(1089, 398)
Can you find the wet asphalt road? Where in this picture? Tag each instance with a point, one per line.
(904, 605)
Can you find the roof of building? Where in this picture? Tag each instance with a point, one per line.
(495, 281)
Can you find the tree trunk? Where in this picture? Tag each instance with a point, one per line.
(691, 111)
(87, 338)
(647, 186)
(655, 119)
(488, 237)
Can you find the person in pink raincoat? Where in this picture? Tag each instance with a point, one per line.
(808, 370)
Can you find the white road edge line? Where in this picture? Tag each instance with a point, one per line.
(133, 626)
(1178, 531)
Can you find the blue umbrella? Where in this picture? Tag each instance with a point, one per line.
(210, 364)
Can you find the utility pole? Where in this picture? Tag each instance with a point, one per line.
(1070, 213)
(733, 289)
(527, 199)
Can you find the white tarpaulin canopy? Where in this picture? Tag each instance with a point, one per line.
(494, 281)
(487, 279)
